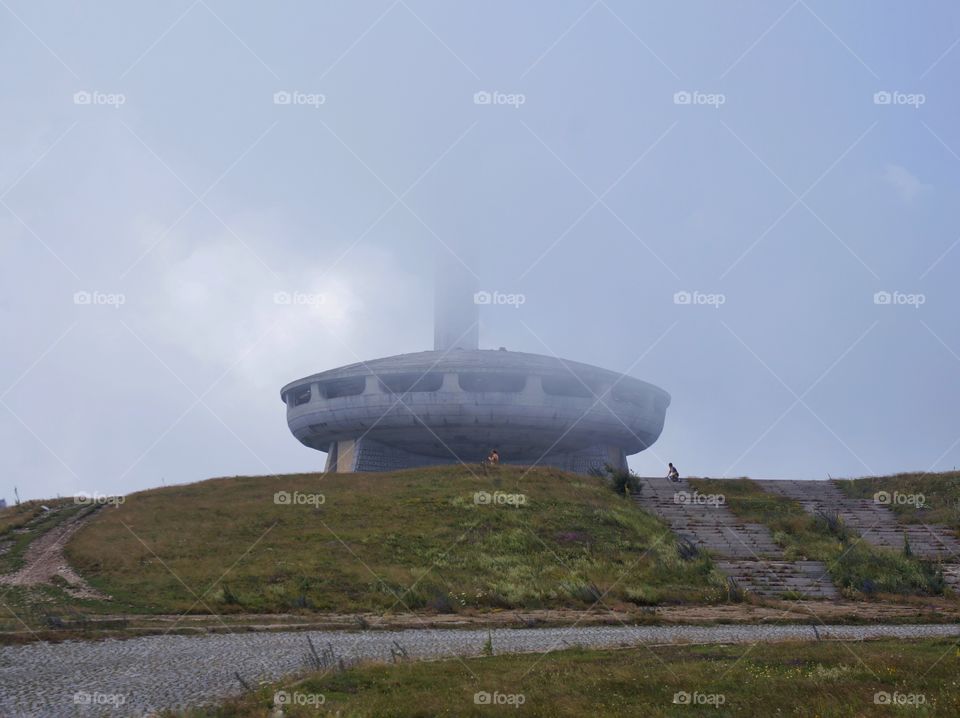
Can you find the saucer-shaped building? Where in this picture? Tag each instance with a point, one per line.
(456, 403)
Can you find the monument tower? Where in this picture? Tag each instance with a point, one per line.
(455, 403)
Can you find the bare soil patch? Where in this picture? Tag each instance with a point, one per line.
(44, 560)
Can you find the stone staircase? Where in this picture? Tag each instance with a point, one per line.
(796, 579)
(744, 551)
(876, 523)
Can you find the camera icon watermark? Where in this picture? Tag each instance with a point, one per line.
(885, 698)
(695, 97)
(695, 498)
(296, 498)
(94, 97)
(494, 97)
(685, 298)
(895, 298)
(895, 97)
(97, 499)
(296, 698)
(696, 698)
(95, 698)
(300, 299)
(896, 498)
(297, 98)
(496, 298)
(499, 498)
(84, 298)
(485, 698)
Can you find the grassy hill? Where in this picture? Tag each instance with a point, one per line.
(374, 542)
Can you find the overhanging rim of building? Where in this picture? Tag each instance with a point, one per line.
(479, 360)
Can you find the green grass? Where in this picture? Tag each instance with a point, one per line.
(411, 540)
(13, 517)
(940, 495)
(855, 566)
(827, 679)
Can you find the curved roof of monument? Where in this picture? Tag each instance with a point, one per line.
(478, 360)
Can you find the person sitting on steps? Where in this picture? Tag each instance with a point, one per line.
(672, 473)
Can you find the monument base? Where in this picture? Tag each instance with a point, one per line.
(368, 455)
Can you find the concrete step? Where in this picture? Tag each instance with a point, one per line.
(707, 523)
(876, 523)
(951, 576)
(745, 551)
(773, 579)
(748, 553)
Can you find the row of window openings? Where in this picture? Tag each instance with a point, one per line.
(504, 383)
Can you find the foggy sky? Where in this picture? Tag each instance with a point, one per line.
(587, 185)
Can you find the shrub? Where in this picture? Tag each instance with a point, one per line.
(833, 524)
(735, 592)
(687, 549)
(622, 481)
(871, 570)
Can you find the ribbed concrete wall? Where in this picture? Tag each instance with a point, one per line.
(369, 455)
(458, 405)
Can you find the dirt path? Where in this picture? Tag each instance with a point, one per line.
(44, 559)
(123, 626)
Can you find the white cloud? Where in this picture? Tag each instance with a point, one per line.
(218, 304)
(906, 184)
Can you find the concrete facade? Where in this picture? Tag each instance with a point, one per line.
(454, 406)
(369, 455)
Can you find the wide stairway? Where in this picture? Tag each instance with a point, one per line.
(875, 522)
(744, 551)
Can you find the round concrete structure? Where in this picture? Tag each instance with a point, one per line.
(439, 407)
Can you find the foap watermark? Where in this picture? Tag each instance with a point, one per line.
(485, 698)
(696, 698)
(895, 498)
(297, 498)
(916, 300)
(695, 498)
(96, 698)
(98, 499)
(696, 97)
(714, 300)
(95, 97)
(300, 299)
(302, 99)
(499, 498)
(495, 97)
(84, 298)
(895, 97)
(500, 299)
(296, 698)
(885, 698)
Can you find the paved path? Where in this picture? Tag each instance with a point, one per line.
(149, 674)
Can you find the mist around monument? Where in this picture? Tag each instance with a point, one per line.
(410, 358)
